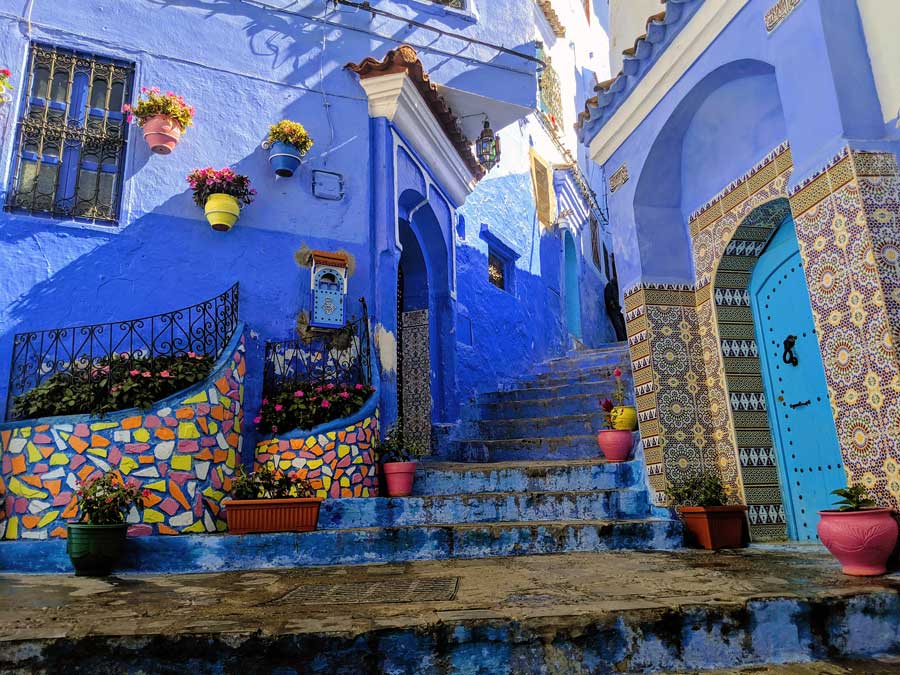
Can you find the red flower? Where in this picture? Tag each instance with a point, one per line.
(617, 372)
(5, 72)
(164, 373)
(145, 493)
(606, 405)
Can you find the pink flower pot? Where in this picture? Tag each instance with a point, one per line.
(862, 541)
(615, 444)
(399, 478)
(162, 133)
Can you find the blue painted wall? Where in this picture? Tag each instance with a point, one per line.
(245, 67)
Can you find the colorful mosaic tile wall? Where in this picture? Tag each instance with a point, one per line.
(184, 454)
(848, 225)
(338, 463)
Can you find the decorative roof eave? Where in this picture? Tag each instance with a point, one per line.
(662, 28)
(552, 18)
(405, 60)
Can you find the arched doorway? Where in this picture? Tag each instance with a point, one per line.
(794, 378)
(573, 295)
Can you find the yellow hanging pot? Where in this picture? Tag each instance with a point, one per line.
(624, 418)
(222, 211)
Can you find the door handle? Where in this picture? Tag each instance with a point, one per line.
(799, 404)
(789, 356)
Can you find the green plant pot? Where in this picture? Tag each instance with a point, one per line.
(95, 549)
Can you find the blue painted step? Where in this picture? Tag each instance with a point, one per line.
(540, 407)
(520, 449)
(540, 427)
(523, 393)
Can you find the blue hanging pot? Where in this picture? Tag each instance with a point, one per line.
(284, 158)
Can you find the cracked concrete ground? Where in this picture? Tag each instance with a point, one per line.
(532, 590)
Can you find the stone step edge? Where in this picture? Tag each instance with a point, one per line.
(574, 438)
(569, 417)
(635, 489)
(504, 525)
(538, 401)
(518, 465)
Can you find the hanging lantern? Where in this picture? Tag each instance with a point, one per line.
(487, 147)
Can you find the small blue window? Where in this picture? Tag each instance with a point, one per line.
(71, 135)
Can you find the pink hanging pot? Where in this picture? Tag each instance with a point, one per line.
(162, 133)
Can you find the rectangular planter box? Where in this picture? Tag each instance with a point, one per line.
(272, 515)
(715, 527)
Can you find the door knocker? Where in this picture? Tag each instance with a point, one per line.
(789, 356)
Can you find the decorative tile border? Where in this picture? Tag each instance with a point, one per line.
(338, 463)
(183, 452)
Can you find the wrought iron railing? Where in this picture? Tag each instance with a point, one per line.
(80, 353)
(336, 356)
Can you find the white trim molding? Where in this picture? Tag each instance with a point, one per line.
(396, 98)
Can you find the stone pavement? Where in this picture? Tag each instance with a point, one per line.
(883, 666)
(628, 611)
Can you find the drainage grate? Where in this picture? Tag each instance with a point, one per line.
(371, 591)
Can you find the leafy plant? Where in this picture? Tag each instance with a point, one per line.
(304, 406)
(394, 448)
(854, 498)
(703, 488)
(264, 483)
(153, 102)
(112, 383)
(106, 500)
(292, 133)
(607, 407)
(209, 181)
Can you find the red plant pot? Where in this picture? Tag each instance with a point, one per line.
(862, 541)
(294, 514)
(162, 133)
(615, 444)
(715, 527)
(399, 477)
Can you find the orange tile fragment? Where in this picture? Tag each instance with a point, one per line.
(99, 441)
(152, 500)
(203, 424)
(4, 437)
(217, 413)
(32, 480)
(79, 445)
(222, 385)
(53, 486)
(132, 422)
(165, 529)
(220, 456)
(165, 434)
(226, 484)
(146, 459)
(18, 464)
(71, 509)
(41, 427)
(46, 451)
(85, 471)
(184, 413)
(204, 455)
(59, 532)
(178, 494)
(30, 521)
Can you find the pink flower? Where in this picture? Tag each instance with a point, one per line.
(358, 387)
(329, 387)
(257, 419)
(274, 429)
(325, 404)
(617, 372)
(146, 373)
(298, 393)
(318, 390)
(344, 394)
(265, 401)
(164, 373)
(145, 493)
(134, 373)
(278, 407)
(192, 355)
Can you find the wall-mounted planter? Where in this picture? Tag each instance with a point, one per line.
(615, 444)
(162, 134)
(284, 158)
(294, 514)
(222, 211)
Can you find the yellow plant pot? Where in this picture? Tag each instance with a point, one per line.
(222, 211)
(624, 417)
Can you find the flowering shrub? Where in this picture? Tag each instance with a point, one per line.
(107, 500)
(292, 133)
(305, 406)
(113, 383)
(153, 102)
(267, 484)
(394, 448)
(209, 181)
(619, 397)
(5, 85)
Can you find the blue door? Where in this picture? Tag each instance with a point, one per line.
(573, 295)
(796, 394)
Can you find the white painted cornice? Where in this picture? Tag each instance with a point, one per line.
(695, 38)
(395, 97)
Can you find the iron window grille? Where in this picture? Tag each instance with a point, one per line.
(497, 271)
(71, 137)
(595, 242)
(550, 99)
(79, 353)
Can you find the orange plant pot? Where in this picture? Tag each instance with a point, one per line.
(295, 514)
(715, 527)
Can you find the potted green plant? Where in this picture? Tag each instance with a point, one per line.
(288, 142)
(96, 541)
(709, 519)
(398, 460)
(162, 116)
(858, 533)
(220, 192)
(271, 501)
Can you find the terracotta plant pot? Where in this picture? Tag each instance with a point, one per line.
(615, 444)
(399, 477)
(624, 418)
(95, 549)
(294, 514)
(222, 211)
(284, 158)
(862, 540)
(715, 527)
(162, 133)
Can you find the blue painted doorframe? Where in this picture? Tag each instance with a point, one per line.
(800, 416)
(573, 295)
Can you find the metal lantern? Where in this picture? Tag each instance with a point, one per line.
(487, 147)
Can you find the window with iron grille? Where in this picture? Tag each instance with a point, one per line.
(550, 102)
(70, 144)
(595, 242)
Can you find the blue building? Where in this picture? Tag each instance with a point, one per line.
(750, 148)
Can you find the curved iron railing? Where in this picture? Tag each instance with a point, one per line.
(204, 328)
(339, 356)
